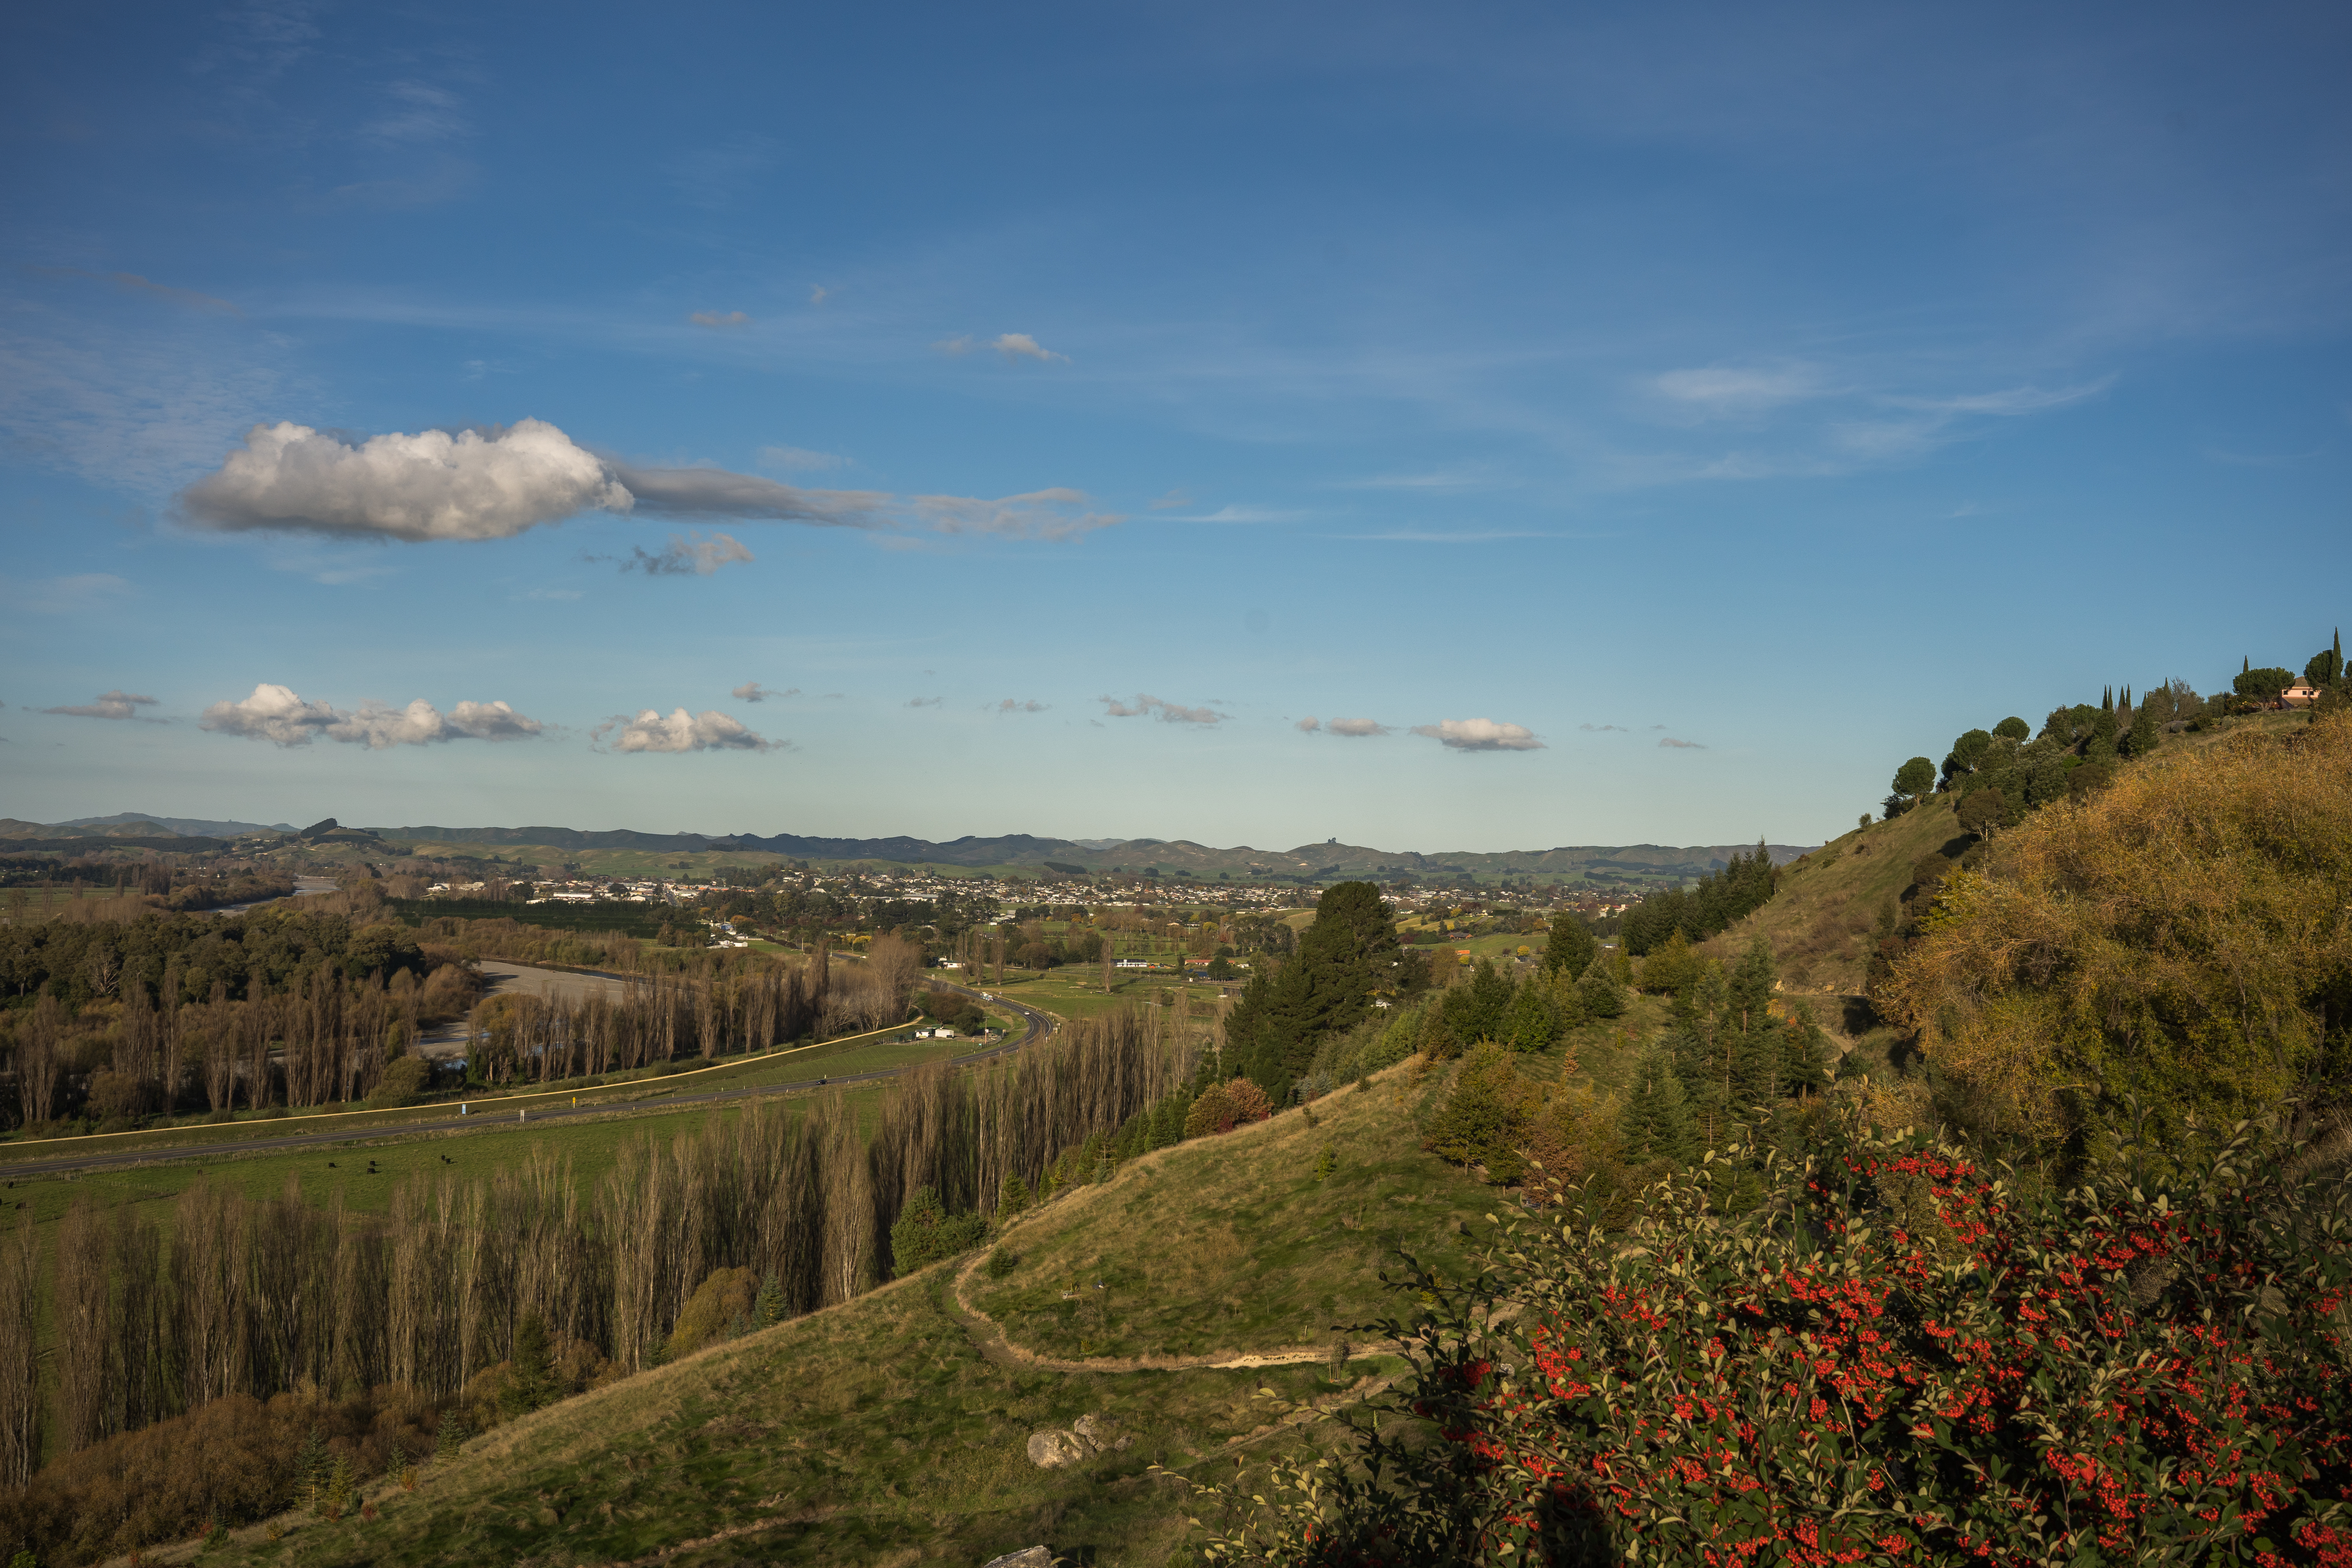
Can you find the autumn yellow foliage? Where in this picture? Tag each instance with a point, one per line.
(2181, 940)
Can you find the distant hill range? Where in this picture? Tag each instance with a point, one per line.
(1635, 865)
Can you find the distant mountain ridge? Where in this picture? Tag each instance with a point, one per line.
(180, 825)
(1609, 865)
(1634, 863)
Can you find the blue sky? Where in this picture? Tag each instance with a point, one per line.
(1641, 423)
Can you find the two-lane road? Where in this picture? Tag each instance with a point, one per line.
(491, 1118)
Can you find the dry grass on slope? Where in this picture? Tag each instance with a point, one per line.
(1235, 1242)
(2178, 938)
(1821, 924)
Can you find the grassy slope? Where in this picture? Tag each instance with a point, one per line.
(1231, 1243)
(873, 1434)
(1820, 923)
(877, 1433)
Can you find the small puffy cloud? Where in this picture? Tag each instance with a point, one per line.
(1480, 735)
(1673, 745)
(1310, 724)
(1053, 514)
(1014, 705)
(277, 714)
(1021, 346)
(1011, 345)
(1604, 729)
(116, 704)
(752, 691)
(691, 556)
(1165, 712)
(818, 293)
(730, 322)
(1357, 727)
(709, 730)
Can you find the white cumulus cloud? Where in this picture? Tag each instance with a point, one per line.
(1480, 735)
(115, 704)
(432, 485)
(1357, 727)
(277, 714)
(709, 730)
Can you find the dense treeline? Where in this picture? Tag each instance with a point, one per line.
(1716, 902)
(447, 1302)
(176, 959)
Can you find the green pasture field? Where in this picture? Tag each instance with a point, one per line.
(895, 1049)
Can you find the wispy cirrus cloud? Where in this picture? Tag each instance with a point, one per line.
(709, 730)
(1245, 514)
(1670, 744)
(1167, 713)
(688, 556)
(752, 691)
(1480, 735)
(115, 704)
(280, 716)
(799, 459)
(1724, 390)
(728, 322)
(132, 283)
(1052, 514)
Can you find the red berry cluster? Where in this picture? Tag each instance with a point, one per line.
(1889, 1355)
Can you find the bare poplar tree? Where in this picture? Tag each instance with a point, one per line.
(20, 1366)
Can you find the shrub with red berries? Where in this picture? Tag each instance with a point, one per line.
(1891, 1355)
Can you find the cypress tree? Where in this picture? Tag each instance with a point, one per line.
(1602, 996)
(1657, 1123)
(1531, 1023)
(1570, 946)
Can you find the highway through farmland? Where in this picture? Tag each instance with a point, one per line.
(1039, 1025)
